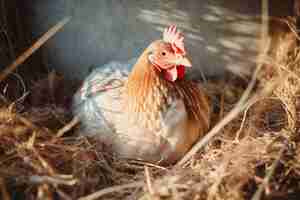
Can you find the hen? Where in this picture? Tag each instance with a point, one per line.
(151, 113)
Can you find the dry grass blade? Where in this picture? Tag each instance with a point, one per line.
(9, 69)
(259, 192)
(68, 127)
(148, 180)
(148, 164)
(117, 188)
(52, 180)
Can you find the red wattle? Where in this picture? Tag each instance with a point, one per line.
(174, 73)
(180, 71)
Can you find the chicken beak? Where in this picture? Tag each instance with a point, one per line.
(183, 61)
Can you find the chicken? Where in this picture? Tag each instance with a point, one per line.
(155, 114)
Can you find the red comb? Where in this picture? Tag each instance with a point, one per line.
(174, 37)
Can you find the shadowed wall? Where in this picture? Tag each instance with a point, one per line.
(219, 34)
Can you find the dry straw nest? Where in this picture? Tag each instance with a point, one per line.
(254, 156)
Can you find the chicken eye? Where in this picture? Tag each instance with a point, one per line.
(163, 53)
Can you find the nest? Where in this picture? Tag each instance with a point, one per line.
(254, 156)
